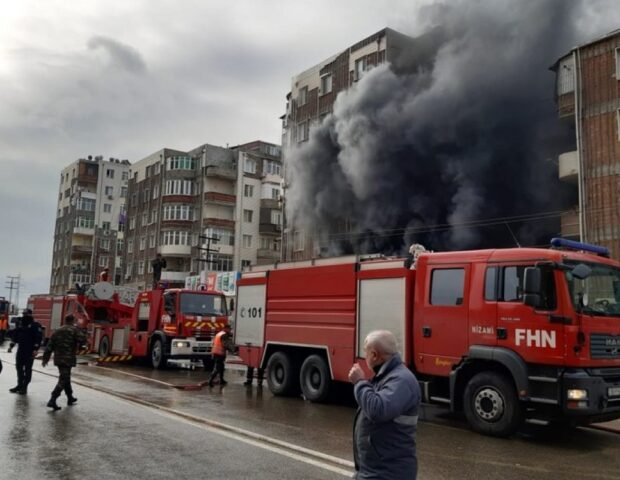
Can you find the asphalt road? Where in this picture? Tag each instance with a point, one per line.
(170, 414)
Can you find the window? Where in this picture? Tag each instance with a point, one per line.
(224, 236)
(103, 261)
(178, 212)
(67, 192)
(132, 223)
(249, 165)
(145, 218)
(155, 191)
(248, 190)
(86, 204)
(123, 192)
(447, 286)
(129, 271)
(130, 245)
(152, 240)
(109, 173)
(275, 193)
(276, 217)
(617, 63)
(107, 207)
(157, 168)
(326, 84)
(179, 187)
(272, 167)
(512, 290)
(265, 243)
(490, 284)
(145, 195)
(298, 241)
(142, 243)
(180, 163)
(173, 237)
(618, 123)
(154, 216)
(245, 263)
(302, 99)
(109, 190)
(247, 241)
(119, 246)
(247, 216)
(105, 226)
(141, 267)
(104, 244)
(125, 176)
(222, 263)
(302, 131)
(361, 66)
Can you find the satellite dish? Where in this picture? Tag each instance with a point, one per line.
(103, 290)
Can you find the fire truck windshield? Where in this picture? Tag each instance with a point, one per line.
(203, 304)
(4, 306)
(598, 293)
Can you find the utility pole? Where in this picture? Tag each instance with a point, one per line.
(12, 283)
(208, 251)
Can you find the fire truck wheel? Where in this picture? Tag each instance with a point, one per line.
(315, 379)
(158, 357)
(491, 405)
(104, 347)
(282, 374)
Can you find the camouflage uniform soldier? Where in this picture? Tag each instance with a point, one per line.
(64, 343)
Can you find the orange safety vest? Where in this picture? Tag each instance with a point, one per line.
(218, 345)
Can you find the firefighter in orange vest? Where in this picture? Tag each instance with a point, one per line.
(221, 344)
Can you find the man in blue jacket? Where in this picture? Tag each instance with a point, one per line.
(384, 431)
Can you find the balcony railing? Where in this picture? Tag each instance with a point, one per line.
(218, 198)
(81, 249)
(270, 228)
(172, 276)
(570, 224)
(268, 253)
(216, 171)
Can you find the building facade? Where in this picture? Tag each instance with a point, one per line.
(202, 210)
(89, 230)
(588, 98)
(312, 97)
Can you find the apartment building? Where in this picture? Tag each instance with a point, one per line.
(202, 210)
(588, 98)
(89, 231)
(312, 96)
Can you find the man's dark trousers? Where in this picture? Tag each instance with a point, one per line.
(64, 383)
(24, 371)
(218, 368)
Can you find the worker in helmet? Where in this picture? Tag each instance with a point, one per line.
(221, 344)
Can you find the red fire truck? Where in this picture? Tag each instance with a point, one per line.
(5, 310)
(165, 324)
(502, 335)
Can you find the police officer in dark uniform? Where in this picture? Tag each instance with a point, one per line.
(27, 336)
(64, 344)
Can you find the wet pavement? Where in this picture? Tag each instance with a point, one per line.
(447, 448)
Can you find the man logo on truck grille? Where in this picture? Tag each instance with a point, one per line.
(535, 338)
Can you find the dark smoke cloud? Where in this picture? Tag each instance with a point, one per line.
(121, 55)
(462, 127)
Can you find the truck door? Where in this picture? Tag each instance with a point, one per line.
(535, 334)
(441, 313)
(250, 319)
(483, 304)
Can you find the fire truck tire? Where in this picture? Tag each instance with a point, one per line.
(315, 379)
(491, 405)
(158, 356)
(282, 374)
(104, 347)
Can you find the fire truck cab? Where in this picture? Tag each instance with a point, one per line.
(165, 325)
(502, 335)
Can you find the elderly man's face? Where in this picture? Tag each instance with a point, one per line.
(372, 356)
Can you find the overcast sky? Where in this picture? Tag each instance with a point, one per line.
(124, 79)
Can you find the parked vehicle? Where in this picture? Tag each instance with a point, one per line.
(502, 335)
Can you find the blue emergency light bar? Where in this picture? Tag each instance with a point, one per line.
(585, 247)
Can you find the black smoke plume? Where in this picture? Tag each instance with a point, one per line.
(461, 128)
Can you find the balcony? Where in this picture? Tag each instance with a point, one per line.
(569, 166)
(84, 231)
(172, 276)
(566, 105)
(218, 222)
(570, 225)
(81, 250)
(175, 250)
(269, 203)
(269, 229)
(215, 171)
(268, 254)
(217, 198)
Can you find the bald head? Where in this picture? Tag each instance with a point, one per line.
(380, 346)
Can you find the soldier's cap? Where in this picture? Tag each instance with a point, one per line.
(27, 311)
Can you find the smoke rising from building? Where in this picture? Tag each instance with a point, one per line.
(462, 127)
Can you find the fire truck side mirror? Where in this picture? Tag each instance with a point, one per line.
(532, 287)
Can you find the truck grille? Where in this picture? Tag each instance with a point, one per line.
(604, 346)
(201, 334)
